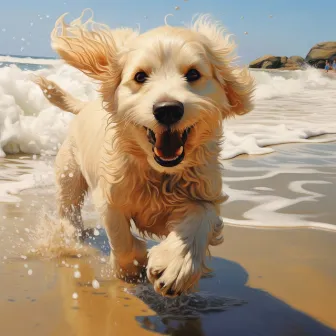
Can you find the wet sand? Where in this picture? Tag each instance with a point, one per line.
(270, 282)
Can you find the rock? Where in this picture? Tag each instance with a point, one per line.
(278, 62)
(267, 65)
(271, 62)
(289, 61)
(321, 52)
(283, 60)
(320, 64)
(259, 61)
(296, 59)
(316, 57)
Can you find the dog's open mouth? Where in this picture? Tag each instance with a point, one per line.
(168, 147)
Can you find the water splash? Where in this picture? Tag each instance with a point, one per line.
(185, 306)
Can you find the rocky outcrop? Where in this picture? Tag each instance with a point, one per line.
(278, 62)
(321, 52)
(316, 57)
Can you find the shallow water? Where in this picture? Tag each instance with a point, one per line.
(293, 188)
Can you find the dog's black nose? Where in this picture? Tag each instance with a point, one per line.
(168, 113)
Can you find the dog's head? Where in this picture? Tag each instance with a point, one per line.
(169, 88)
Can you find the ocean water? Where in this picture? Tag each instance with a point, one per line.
(290, 108)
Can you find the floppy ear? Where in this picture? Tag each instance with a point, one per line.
(93, 49)
(237, 82)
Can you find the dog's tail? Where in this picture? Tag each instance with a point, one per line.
(58, 96)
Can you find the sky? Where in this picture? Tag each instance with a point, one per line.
(280, 28)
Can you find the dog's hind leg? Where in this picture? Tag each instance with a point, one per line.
(71, 188)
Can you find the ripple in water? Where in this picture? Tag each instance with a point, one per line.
(185, 306)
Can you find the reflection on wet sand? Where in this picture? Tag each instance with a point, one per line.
(44, 303)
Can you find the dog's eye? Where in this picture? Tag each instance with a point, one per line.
(140, 77)
(192, 75)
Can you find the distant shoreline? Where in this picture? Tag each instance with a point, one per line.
(27, 56)
(30, 60)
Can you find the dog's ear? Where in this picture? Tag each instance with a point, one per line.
(93, 49)
(86, 47)
(237, 82)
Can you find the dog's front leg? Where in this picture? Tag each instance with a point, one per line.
(128, 254)
(177, 263)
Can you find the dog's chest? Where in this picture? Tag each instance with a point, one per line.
(149, 203)
(150, 208)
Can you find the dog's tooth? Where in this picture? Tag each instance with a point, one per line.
(179, 151)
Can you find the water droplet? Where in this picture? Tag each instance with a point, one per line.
(95, 284)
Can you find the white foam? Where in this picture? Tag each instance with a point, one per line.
(19, 175)
(28, 122)
(290, 107)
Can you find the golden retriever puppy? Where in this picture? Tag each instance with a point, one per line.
(149, 148)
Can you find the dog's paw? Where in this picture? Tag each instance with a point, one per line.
(173, 268)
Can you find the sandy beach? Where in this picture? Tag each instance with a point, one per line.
(265, 281)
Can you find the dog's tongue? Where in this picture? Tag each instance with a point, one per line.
(168, 144)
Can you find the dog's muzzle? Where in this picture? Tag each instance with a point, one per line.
(168, 147)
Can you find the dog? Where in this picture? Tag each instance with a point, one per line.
(149, 148)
